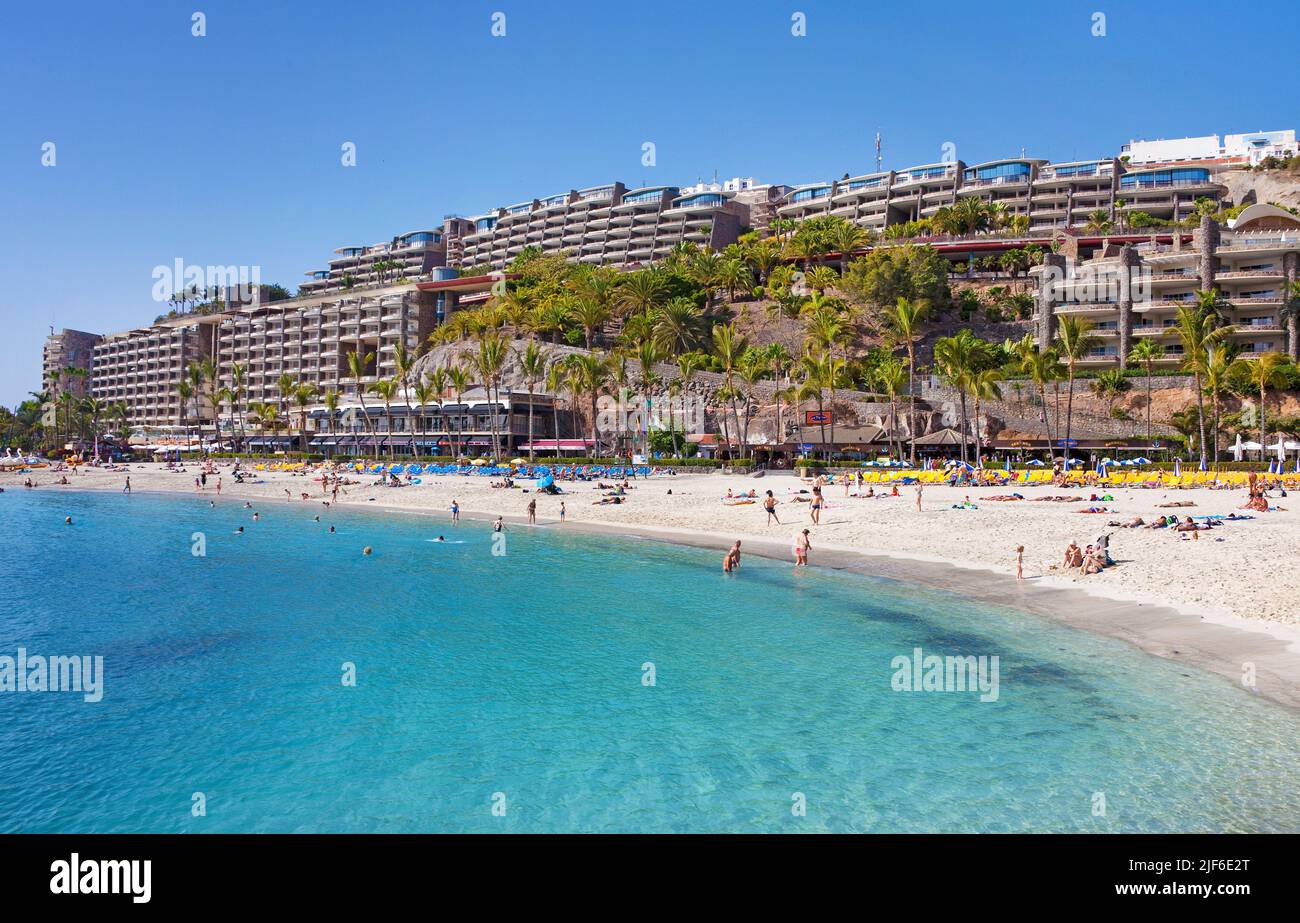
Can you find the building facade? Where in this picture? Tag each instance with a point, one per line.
(1133, 292)
(70, 349)
(142, 368)
(1050, 195)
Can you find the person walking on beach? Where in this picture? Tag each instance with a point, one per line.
(127, 488)
(561, 511)
(499, 525)
(218, 487)
(1020, 562)
(769, 504)
(801, 546)
(815, 508)
(532, 512)
(919, 488)
(455, 511)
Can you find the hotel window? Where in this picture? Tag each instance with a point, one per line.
(804, 195)
(1002, 171)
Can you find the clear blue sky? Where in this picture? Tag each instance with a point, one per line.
(226, 149)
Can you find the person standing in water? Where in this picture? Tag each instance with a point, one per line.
(801, 548)
(127, 488)
(1020, 562)
(455, 511)
(561, 511)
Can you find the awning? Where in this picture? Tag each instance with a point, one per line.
(564, 444)
(946, 436)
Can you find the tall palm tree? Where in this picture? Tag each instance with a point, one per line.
(439, 381)
(359, 367)
(957, 358)
(224, 395)
(1218, 374)
(554, 384)
(592, 315)
(818, 373)
(591, 374)
(890, 377)
(1075, 341)
(1043, 368)
(903, 327)
(728, 345)
(490, 360)
(285, 384)
(331, 399)
(237, 386)
(752, 367)
(1147, 352)
(184, 390)
(533, 361)
(687, 365)
(208, 371)
(458, 375)
(985, 386)
(1268, 370)
(386, 389)
(303, 394)
(1199, 327)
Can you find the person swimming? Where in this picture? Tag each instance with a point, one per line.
(332, 530)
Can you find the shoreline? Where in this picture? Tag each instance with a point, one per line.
(1201, 636)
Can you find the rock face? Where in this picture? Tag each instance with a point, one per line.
(461, 353)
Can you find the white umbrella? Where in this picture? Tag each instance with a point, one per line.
(1279, 448)
(1251, 446)
(1237, 448)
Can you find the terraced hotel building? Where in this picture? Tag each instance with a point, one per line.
(1050, 195)
(614, 225)
(1131, 292)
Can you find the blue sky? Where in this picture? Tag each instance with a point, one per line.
(225, 149)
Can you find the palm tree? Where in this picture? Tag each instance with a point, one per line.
(648, 354)
(493, 350)
(439, 381)
(903, 323)
(285, 384)
(824, 330)
(1147, 351)
(752, 367)
(458, 375)
(1043, 368)
(331, 399)
(957, 358)
(386, 389)
(359, 366)
(1218, 374)
(92, 409)
(985, 386)
(1268, 370)
(640, 292)
(184, 390)
(554, 384)
(237, 386)
(728, 346)
(1198, 326)
(532, 363)
(591, 373)
(687, 366)
(890, 377)
(819, 371)
(303, 394)
(846, 237)
(1075, 341)
(224, 395)
(592, 315)
(208, 371)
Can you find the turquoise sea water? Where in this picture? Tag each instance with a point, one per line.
(522, 674)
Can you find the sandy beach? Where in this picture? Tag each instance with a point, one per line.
(1230, 597)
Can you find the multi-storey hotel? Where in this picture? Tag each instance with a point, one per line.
(407, 256)
(71, 349)
(141, 368)
(615, 225)
(1050, 195)
(370, 300)
(1131, 292)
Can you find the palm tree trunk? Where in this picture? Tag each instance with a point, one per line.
(1200, 415)
(1069, 419)
(961, 397)
(531, 452)
(911, 396)
(1148, 404)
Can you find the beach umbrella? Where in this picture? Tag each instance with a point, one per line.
(1280, 447)
(1178, 468)
(1202, 464)
(1007, 466)
(1297, 464)
(1237, 449)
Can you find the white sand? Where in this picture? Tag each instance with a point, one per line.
(1240, 574)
